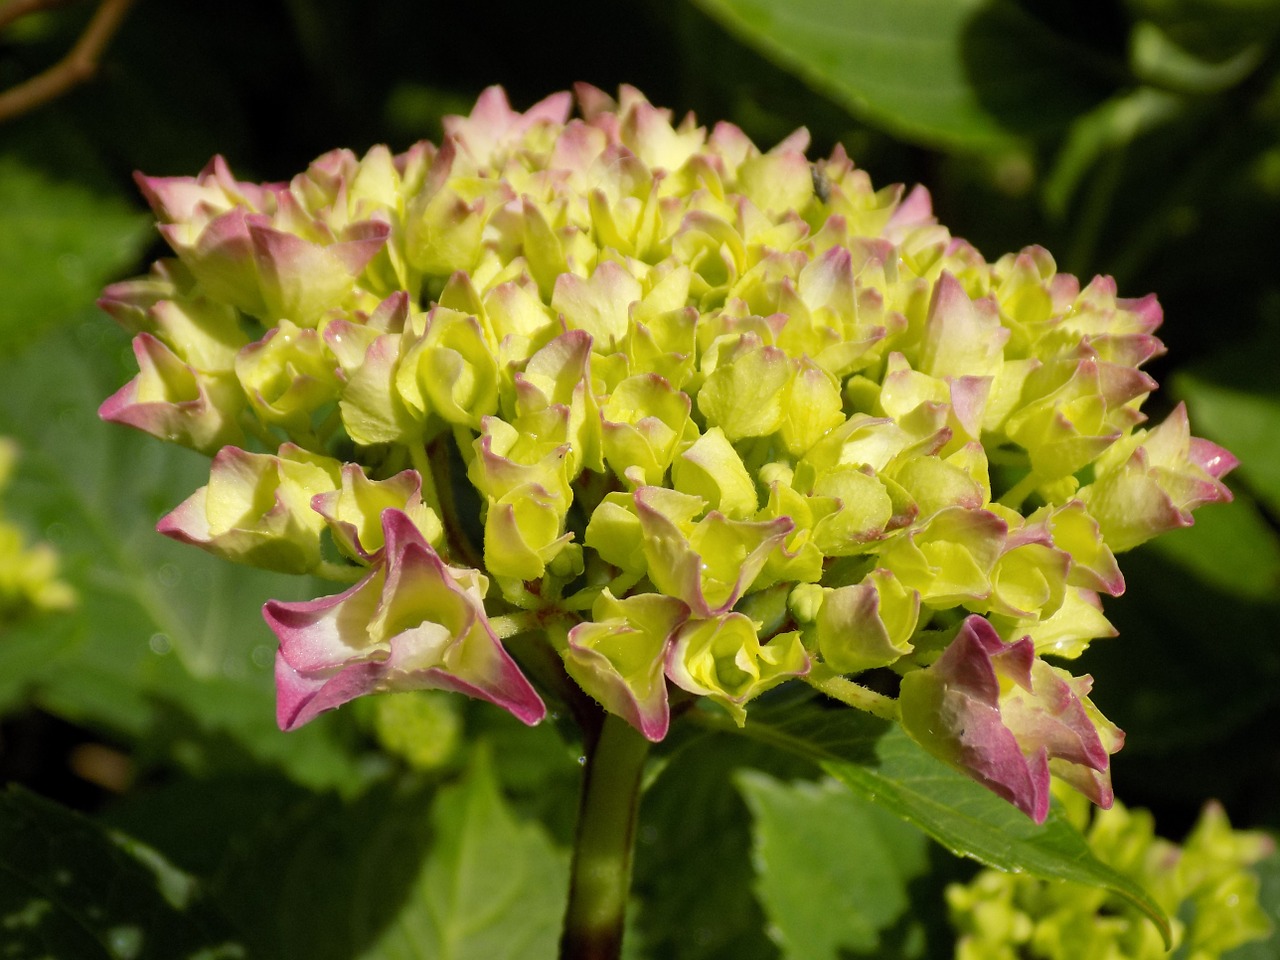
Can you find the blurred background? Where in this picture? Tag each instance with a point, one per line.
(1139, 139)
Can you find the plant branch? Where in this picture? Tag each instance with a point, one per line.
(852, 694)
(73, 69)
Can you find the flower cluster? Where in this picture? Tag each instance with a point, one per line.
(1204, 886)
(28, 573)
(699, 417)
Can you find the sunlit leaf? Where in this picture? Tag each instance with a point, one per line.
(165, 640)
(832, 868)
(955, 73)
(879, 762)
(491, 888)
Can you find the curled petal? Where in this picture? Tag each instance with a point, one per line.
(256, 509)
(353, 512)
(867, 624)
(173, 401)
(619, 656)
(723, 659)
(1153, 482)
(709, 564)
(1008, 720)
(413, 623)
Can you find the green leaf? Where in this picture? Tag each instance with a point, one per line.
(1104, 131)
(69, 888)
(1159, 59)
(1230, 548)
(1173, 676)
(1211, 31)
(879, 762)
(59, 243)
(491, 888)
(693, 867)
(407, 870)
(832, 868)
(300, 874)
(969, 74)
(165, 641)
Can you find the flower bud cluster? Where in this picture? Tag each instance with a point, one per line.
(708, 417)
(28, 573)
(1204, 886)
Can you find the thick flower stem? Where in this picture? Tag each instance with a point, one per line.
(601, 871)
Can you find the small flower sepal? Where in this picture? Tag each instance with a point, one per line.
(1151, 483)
(1009, 720)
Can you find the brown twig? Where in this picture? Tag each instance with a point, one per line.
(75, 68)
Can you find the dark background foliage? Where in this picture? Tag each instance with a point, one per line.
(1137, 139)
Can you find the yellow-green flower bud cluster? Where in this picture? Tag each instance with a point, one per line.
(28, 572)
(1204, 886)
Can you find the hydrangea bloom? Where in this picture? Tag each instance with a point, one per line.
(697, 416)
(29, 580)
(1203, 885)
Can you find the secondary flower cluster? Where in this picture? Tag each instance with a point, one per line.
(28, 572)
(696, 415)
(1204, 886)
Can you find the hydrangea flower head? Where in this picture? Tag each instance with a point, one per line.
(1204, 886)
(698, 417)
(29, 581)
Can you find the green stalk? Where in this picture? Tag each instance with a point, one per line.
(601, 873)
(852, 694)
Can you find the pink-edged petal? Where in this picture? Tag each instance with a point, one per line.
(300, 279)
(619, 657)
(170, 400)
(1214, 460)
(1008, 720)
(962, 337)
(1147, 309)
(503, 684)
(493, 125)
(914, 211)
(413, 622)
(189, 521)
(300, 698)
(323, 634)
